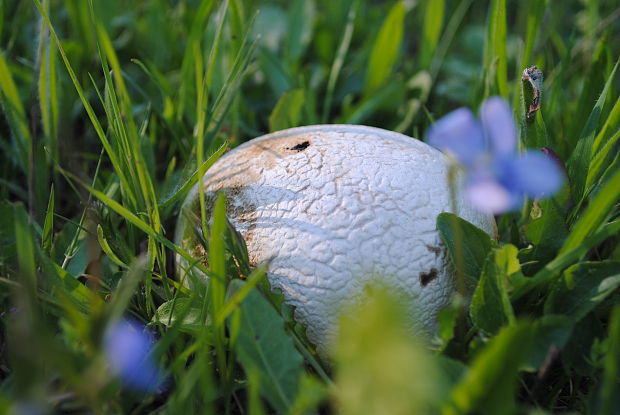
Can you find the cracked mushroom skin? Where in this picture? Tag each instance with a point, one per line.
(334, 208)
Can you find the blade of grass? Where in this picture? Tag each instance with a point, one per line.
(142, 225)
(450, 31)
(581, 157)
(535, 14)
(217, 287)
(123, 293)
(555, 267)
(203, 87)
(80, 91)
(595, 214)
(495, 61)
(253, 279)
(25, 252)
(341, 53)
(193, 179)
(48, 225)
(16, 116)
(433, 23)
(385, 49)
(187, 87)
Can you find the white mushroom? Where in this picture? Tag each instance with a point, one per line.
(335, 207)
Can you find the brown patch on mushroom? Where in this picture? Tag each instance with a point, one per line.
(427, 277)
(200, 253)
(434, 249)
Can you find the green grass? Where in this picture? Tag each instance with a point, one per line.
(112, 111)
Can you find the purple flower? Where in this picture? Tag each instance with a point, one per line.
(127, 347)
(497, 177)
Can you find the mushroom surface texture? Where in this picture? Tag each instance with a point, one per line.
(334, 208)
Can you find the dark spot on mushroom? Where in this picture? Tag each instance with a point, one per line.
(300, 146)
(426, 277)
(434, 249)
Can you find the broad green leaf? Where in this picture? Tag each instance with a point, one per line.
(465, 242)
(452, 372)
(581, 156)
(380, 367)
(489, 384)
(385, 48)
(287, 112)
(68, 288)
(233, 301)
(582, 288)
(262, 346)
(552, 333)
(546, 233)
(182, 312)
(490, 305)
(447, 320)
(577, 353)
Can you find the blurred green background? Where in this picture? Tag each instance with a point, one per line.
(110, 118)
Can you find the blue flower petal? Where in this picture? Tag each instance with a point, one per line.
(536, 174)
(486, 191)
(458, 133)
(499, 125)
(127, 346)
(489, 196)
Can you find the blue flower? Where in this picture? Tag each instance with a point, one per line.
(497, 177)
(127, 347)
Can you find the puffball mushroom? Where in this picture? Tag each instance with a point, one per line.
(334, 208)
